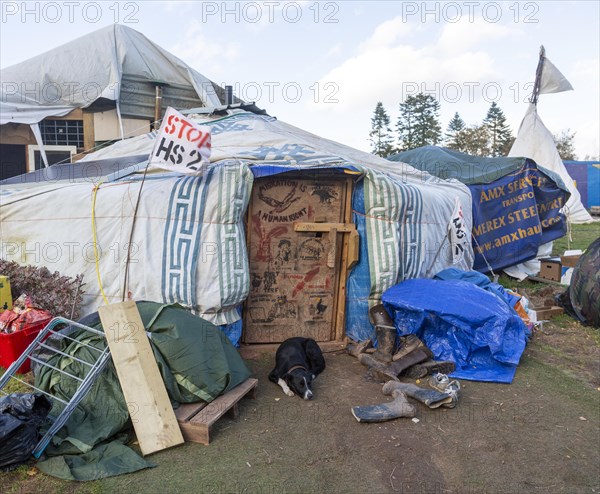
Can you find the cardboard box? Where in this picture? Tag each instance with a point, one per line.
(551, 269)
(570, 257)
(544, 313)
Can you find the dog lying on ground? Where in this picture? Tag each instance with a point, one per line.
(298, 362)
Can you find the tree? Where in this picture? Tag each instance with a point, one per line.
(454, 133)
(381, 137)
(476, 140)
(565, 145)
(418, 124)
(499, 132)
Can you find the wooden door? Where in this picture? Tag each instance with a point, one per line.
(294, 275)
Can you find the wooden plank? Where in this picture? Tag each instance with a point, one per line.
(186, 411)
(197, 428)
(154, 422)
(543, 280)
(88, 132)
(340, 321)
(324, 227)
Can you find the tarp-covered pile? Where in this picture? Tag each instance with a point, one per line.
(464, 318)
(196, 360)
(517, 205)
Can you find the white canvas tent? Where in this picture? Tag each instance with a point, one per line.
(189, 234)
(535, 141)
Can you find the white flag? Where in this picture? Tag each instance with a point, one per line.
(458, 234)
(181, 145)
(552, 80)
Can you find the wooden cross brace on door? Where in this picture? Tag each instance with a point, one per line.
(333, 229)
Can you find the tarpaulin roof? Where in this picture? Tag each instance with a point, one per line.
(88, 68)
(448, 163)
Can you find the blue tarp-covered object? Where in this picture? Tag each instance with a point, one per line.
(516, 203)
(461, 322)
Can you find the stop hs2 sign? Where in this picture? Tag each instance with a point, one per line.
(181, 145)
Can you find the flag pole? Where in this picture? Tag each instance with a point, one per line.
(538, 76)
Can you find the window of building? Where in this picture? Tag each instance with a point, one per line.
(62, 132)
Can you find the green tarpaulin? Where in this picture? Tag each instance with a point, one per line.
(197, 362)
(470, 170)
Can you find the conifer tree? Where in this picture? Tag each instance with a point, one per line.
(380, 135)
(418, 123)
(500, 135)
(454, 137)
(565, 145)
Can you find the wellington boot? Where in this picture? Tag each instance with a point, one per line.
(378, 368)
(428, 367)
(386, 342)
(355, 349)
(408, 343)
(417, 356)
(386, 333)
(399, 407)
(430, 397)
(379, 316)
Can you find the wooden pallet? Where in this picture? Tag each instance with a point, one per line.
(196, 419)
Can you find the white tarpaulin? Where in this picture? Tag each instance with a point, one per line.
(189, 239)
(77, 73)
(535, 141)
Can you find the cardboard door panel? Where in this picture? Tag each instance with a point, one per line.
(293, 290)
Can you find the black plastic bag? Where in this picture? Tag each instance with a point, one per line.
(21, 416)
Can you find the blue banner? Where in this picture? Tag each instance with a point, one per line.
(514, 215)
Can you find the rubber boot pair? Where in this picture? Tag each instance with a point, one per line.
(411, 342)
(392, 370)
(398, 407)
(430, 397)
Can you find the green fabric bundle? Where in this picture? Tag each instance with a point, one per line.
(195, 358)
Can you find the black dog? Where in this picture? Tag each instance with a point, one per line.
(297, 362)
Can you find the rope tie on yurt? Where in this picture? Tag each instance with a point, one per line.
(95, 238)
(128, 257)
(495, 276)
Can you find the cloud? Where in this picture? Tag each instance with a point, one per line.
(394, 62)
(387, 63)
(334, 50)
(204, 54)
(467, 35)
(385, 35)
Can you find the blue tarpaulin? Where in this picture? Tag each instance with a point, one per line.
(460, 321)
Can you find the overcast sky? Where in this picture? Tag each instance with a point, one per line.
(323, 66)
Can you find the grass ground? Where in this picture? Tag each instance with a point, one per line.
(581, 237)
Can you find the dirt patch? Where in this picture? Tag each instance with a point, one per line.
(539, 434)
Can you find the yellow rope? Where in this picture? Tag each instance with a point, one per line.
(96, 258)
